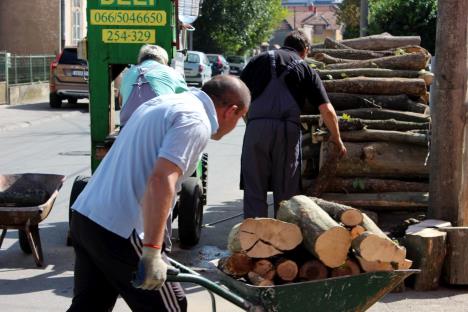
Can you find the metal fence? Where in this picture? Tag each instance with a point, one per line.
(24, 69)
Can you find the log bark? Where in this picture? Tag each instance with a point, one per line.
(327, 59)
(236, 265)
(265, 269)
(349, 54)
(323, 236)
(400, 102)
(328, 74)
(313, 270)
(365, 185)
(333, 44)
(257, 280)
(380, 159)
(382, 201)
(385, 136)
(379, 42)
(372, 247)
(264, 237)
(287, 270)
(427, 249)
(385, 114)
(374, 266)
(349, 268)
(376, 85)
(327, 172)
(349, 216)
(455, 269)
(410, 61)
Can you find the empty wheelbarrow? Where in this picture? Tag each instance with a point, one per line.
(340, 294)
(25, 200)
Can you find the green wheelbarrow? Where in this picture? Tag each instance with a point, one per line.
(339, 294)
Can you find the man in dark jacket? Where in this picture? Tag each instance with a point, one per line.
(280, 83)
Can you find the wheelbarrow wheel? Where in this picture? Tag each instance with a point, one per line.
(190, 212)
(23, 242)
(78, 186)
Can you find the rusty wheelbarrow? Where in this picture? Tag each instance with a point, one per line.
(25, 200)
(339, 294)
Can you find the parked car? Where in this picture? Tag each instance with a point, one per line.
(68, 78)
(197, 68)
(219, 65)
(237, 64)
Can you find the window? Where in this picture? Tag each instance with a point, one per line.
(76, 21)
(193, 58)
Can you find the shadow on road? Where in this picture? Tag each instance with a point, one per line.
(81, 106)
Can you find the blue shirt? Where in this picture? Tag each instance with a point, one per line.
(176, 127)
(162, 78)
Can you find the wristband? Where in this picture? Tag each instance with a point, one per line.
(152, 246)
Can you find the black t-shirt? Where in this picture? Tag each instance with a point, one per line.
(303, 82)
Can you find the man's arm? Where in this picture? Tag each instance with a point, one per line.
(331, 121)
(158, 199)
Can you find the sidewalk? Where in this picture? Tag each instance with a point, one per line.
(25, 115)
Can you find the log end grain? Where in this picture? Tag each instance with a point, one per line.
(313, 270)
(340, 239)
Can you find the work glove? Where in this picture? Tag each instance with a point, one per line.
(152, 270)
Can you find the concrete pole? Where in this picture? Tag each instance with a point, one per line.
(364, 18)
(449, 141)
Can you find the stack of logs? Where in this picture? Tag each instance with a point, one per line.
(378, 86)
(311, 239)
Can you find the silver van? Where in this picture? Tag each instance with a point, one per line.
(197, 68)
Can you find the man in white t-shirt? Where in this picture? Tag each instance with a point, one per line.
(120, 219)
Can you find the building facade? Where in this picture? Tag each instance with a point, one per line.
(41, 26)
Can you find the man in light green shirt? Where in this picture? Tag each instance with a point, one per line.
(152, 77)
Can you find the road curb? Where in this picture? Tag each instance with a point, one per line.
(25, 124)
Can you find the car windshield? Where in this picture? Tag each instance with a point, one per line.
(193, 58)
(69, 56)
(235, 59)
(213, 58)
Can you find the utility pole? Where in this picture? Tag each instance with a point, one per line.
(449, 141)
(364, 18)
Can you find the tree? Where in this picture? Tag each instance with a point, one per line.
(236, 26)
(348, 14)
(405, 18)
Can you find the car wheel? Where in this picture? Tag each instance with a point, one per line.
(72, 101)
(54, 100)
(190, 211)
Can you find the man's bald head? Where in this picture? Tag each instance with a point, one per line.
(226, 90)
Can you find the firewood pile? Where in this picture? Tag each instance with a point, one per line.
(378, 86)
(311, 239)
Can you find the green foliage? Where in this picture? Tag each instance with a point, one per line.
(236, 26)
(405, 18)
(348, 14)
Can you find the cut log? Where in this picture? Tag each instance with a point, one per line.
(411, 61)
(265, 269)
(286, 270)
(326, 173)
(372, 247)
(365, 185)
(401, 102)
(264, 237)
(333, 44)
(380, 42)
(374, 266)
(385, 136)
(257, 280)
(382, 201)
(313, 270)
(323, 237)
(380, 159)
(349, 268)
(375, 85)
(405, 264)
(371, 226)
(349, 216)
(455, 269)
(348, 54)
(427, 249)
(356, 231)
(354, 124)
(327, 59)
(236, 265)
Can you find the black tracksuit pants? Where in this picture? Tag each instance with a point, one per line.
(104, 267)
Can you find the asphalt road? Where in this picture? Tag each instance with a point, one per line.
(61, 145)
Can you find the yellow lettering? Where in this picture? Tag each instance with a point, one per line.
(139, 2)
(151, 2)
(124, 2)
(107, 2)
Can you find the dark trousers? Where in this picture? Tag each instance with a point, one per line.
(104, 267)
